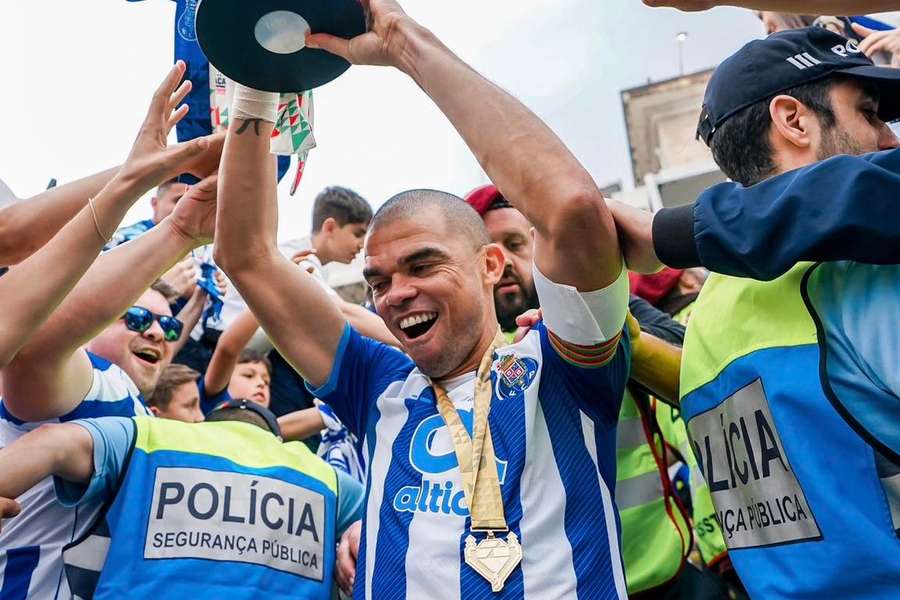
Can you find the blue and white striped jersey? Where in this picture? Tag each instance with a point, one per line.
(553, 422)
(339, 447)
(31, 544)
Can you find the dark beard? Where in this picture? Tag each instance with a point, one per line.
(835, 141)
(507, 316)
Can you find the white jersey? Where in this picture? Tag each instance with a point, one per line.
(31, 544)
(553, 424)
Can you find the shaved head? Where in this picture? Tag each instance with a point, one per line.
(454, 212)
(432, 269)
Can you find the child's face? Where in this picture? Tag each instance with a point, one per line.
(250, 381)
(347, 241)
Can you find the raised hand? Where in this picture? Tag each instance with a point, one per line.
(378, 46)
(635, 230)
(183, 277)
(875, 42)
(195, 214)
(151, 160)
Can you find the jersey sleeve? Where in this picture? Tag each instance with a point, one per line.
(209, 402)
(362, 370)
(350, 501)
(112, 438)
(843, 208)
(584, 344)
(595, 377)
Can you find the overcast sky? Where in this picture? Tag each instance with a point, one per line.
(78, 76)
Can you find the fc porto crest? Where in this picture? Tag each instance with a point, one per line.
(187, 21)
(513, 375)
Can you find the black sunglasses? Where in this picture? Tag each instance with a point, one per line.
(139, 319)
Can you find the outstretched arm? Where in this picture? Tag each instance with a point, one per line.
(29, 224)
(301, 424)
(575, 240)
(50, 375)
(31, 291)
(763, 230)
(819, 7)
(64, 450)
(296, 313)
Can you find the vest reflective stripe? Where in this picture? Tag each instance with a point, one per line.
(707, 532)
(794, 486)
(220, 508)
(653, 546)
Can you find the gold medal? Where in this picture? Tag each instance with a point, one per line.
(493, 558)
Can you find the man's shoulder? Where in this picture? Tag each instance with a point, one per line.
(112, 393)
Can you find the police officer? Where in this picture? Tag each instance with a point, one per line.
(789, 386)
(221, 507)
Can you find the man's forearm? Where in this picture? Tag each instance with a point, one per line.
(301, 424)
(63, 450)
(29, 224)
(529, 164)
(763, 230)
(818, 7)
(109, 287)
(295, 312)
(32, 290)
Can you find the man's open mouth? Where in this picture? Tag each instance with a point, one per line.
(418, 325)
(148, 355)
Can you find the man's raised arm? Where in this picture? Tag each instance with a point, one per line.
(295, 312)
(27, 225)
(818, 7)
(575, 238)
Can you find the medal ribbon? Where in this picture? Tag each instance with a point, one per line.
(475, 454)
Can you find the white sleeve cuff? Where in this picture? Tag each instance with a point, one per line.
(583, 318)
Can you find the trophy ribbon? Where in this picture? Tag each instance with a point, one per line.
(493, 558)
(293, 132)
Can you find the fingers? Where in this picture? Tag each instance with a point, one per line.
(302, 255)
(861, 30)
(176, 117)
(166, 89)
(180, 94)
(330, 43)
(9, 508)
(346, 566)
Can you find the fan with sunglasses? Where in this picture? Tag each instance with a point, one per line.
(140, 319)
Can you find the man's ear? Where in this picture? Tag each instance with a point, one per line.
(154, 201)
(793, 121)
(329, 225)
(154, 411)
(495, 263)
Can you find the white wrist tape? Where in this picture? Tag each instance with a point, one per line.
(250, 104)
(583, 318)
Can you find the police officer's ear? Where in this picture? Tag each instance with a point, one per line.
(794, 125)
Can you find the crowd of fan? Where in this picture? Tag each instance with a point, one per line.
(152, 322)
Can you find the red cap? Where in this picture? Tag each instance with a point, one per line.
(481, 198)
(654, 288)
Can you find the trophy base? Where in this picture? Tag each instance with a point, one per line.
(262, 44)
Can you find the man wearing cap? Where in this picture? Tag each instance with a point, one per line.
(790, 387)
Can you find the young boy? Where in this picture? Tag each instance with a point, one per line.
(177, 395)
